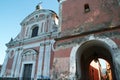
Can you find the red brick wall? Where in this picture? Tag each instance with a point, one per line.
(10, 63)
(102, 14)
(61, 63)
(62, 53)
(117, 41)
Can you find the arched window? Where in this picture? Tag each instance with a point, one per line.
(35, 31)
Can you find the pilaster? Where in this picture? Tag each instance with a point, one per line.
(14, 62)
(46, 71)
(17, 70)
(40, 61)
(4, 64)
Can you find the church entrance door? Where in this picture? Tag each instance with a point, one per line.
(27, 72)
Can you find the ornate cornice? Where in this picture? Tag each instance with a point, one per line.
(33, 39)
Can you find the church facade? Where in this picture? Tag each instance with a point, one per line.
(29, 55)
(50, 49)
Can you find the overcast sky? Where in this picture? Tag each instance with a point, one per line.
(12, 12)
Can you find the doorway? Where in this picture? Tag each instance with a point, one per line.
(27, 71)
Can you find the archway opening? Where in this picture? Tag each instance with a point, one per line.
(100, 69)
(92, 51)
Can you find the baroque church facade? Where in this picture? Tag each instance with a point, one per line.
(49, 47)
(29, 55)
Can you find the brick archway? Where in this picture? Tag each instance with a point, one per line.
(87, 52)
(83, 54)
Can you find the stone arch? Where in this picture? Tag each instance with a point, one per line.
(102, 43)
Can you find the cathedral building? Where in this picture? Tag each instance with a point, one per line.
(49, 47)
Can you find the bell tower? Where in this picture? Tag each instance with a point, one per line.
(85, 16)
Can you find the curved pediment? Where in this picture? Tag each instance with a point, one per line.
(29, 51)
(36, 16)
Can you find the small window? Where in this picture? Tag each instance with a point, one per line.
(34, 31)
(86, 8)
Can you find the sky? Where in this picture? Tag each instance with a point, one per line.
(12, 12)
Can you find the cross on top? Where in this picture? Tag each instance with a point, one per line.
(38, 7)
